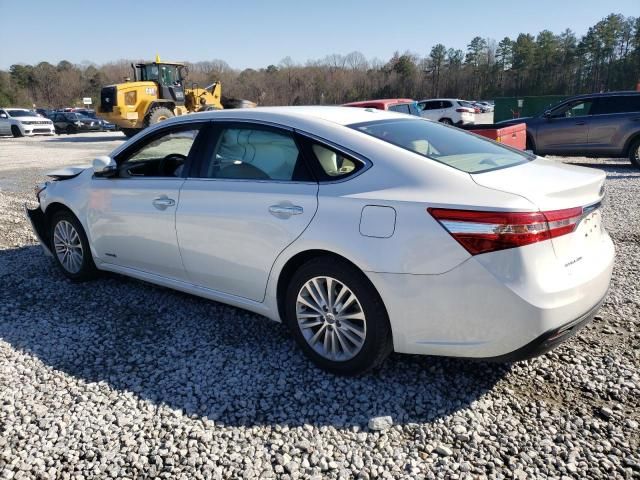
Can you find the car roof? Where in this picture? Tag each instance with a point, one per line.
(603, 94)
(335, 114)
(382, 101)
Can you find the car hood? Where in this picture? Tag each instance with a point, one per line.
(68, 172)
(32, 118)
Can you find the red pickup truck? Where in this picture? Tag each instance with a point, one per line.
(513, 135)
(402, 105)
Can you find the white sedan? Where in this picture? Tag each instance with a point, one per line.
(365, 231)
(20, 121)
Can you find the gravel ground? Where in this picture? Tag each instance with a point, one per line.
(117, 378)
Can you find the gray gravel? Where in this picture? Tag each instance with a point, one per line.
(121, 379)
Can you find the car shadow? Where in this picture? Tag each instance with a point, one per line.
(80, 138)
(208, 359)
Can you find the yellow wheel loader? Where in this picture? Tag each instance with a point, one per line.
(157, 92)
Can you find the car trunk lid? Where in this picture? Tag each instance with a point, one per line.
(553, 186)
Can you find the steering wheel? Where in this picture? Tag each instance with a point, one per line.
(169, 164)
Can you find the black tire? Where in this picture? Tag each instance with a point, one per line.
(378, 342)
(157, 114)
(69, 130)
(130, 132)
(15, 131)
(530, 146)
(446, 121)
(634, 153)
(87, 269)
(229, 103)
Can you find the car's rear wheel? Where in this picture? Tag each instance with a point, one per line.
(69, 130)
(529, 145)
(15, 131)
(446, 121)
(337, 317)
(634, 153)
(70, 247)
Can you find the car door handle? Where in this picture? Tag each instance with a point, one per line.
(162, 203)
(285, 211)
(581, 123)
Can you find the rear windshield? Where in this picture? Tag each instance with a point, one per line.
(447, 145)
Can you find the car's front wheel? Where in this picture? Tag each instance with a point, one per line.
(15, 131)
(634, 153)
(337, 317)
(70, 247)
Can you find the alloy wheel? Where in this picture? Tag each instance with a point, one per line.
(331, 318)
(68, 246)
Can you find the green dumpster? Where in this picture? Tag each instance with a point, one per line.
(515, 107)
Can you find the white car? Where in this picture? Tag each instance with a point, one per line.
(20, 121)
(489, 107)
(366, 231)
(451, 111)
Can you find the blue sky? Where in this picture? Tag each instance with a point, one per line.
(251, 33)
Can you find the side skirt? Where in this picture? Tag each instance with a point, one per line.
(245, 304)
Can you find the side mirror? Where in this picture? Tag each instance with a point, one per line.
(3, 115)
(547, 114)
(104, 166)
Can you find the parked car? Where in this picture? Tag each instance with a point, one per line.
(488, 106)
(44, 112)
(401, 105)
(71, 122)
(104, 125)
(365, 231)
(108, 126)
(20, 121)
(86, 112)
(451, 111)
(481, 107)
(595, 125)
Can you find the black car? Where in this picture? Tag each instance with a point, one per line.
(104, 125)
(71, 122)
(596, 125)
(45, 112)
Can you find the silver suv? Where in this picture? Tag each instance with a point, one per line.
(596, 125)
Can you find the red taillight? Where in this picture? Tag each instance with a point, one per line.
(463, 110)
(481, 231)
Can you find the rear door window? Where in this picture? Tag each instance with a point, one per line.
(400, 107)
(616, 104)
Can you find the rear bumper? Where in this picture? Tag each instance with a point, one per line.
(39, 225)
(548, 340)
(476, 311)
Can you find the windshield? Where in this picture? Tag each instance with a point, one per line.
(21, 113)
(163, 74)
(449, 145)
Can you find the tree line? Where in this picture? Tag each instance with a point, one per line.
(606, 58)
